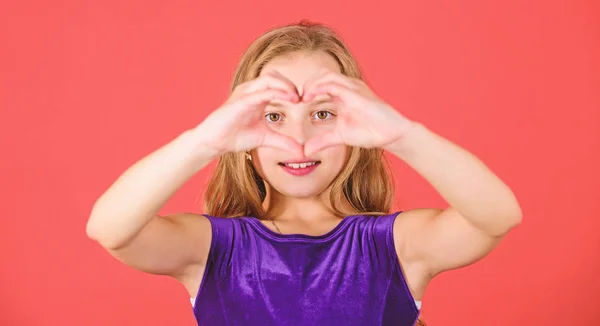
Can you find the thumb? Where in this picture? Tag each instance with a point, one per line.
(283, 142)
(322, 141)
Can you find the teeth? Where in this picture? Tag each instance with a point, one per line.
(300, 165)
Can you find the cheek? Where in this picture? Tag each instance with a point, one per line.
(261, 157)
(336, 156)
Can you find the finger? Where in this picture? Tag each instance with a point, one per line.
(272, 80)
(257, 99)
(312, 80)
(334, 89)
(322, 141)
(279, 141)
(283, 78)
(324, 78)
(338, 77)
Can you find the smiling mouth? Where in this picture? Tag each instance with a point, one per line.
(299, 165)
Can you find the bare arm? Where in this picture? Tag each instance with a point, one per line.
(125, 220)
(483, 209)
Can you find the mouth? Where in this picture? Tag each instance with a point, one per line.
(299, 165)
(297, 168)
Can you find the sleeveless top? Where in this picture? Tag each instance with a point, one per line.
(348, 276)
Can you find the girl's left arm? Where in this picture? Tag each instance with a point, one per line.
(483, 209)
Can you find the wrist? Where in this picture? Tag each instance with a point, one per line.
(411, 135)
(200, 144)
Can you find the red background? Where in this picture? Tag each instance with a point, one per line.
(89, 87)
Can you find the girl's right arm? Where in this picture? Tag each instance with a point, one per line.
(125, 220)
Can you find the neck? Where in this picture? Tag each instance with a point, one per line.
(280, 207)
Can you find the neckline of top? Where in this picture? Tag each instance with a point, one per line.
(300, 236)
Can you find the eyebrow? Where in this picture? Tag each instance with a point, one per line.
(322, 101)
(275, 105)
(313, 103)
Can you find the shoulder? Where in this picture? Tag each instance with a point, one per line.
(374, 220)
(380, 225)
(409, 223)
(227, 222)
(227, 235)
(376, 229)
(227, 229)
(398, 222)
(411, 220)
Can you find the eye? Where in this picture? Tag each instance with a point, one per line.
(273, 117)
(323, 115)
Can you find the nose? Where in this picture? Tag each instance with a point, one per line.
(299, 131)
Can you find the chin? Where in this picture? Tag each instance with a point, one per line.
(300, 190)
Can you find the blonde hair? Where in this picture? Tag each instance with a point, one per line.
(236, 189)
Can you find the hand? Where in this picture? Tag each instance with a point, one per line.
(239, 125)
(363, 119)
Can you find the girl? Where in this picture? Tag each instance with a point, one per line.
(297, 227)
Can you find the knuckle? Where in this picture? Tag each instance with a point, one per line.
(270, 77)
(355, 83)
(242, 87)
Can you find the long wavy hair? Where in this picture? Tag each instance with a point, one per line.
(236, 189)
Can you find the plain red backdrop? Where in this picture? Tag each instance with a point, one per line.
(89, 87)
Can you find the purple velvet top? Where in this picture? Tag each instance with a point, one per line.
(348, 276)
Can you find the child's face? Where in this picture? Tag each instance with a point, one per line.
(301, 121)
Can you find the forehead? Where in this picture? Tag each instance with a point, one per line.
(300, 66)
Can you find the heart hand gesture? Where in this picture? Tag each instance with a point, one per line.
(363, 119)
(239, 124)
